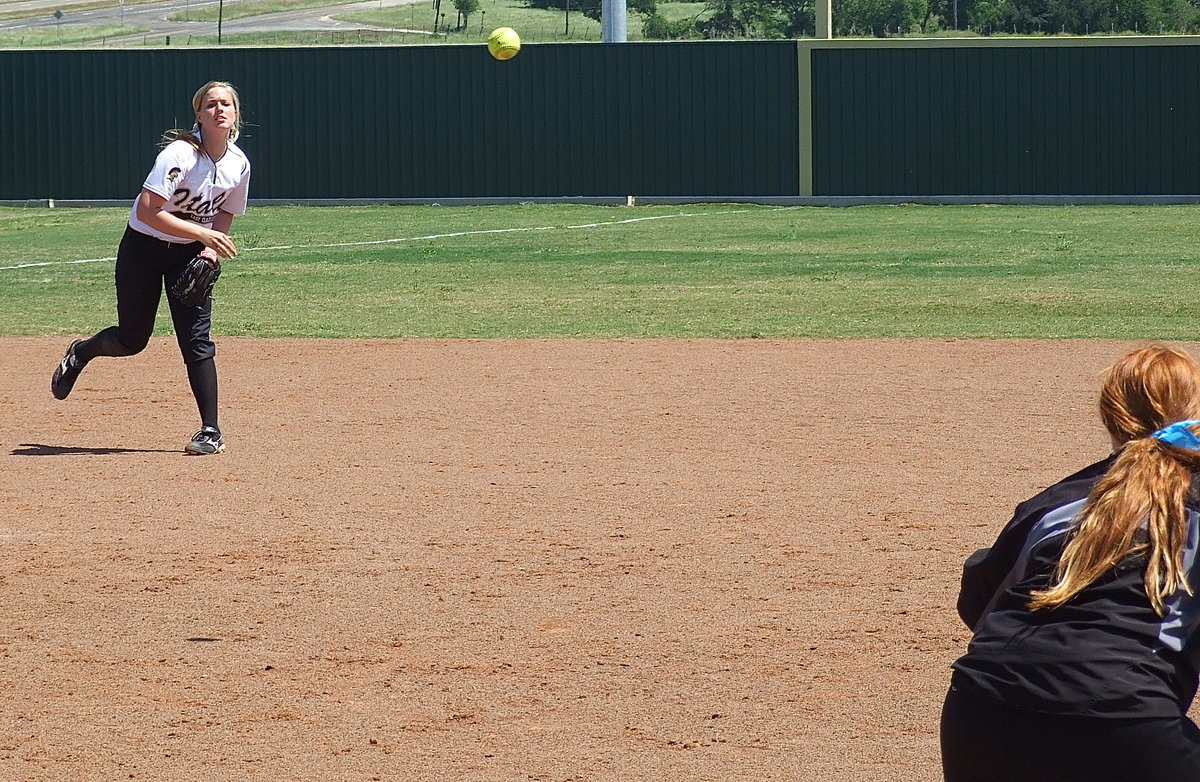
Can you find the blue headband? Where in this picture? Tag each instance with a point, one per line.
(1180, 435)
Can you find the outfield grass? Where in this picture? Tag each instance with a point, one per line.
(246, 8)
(315, 38)
(410, 24)
(693, 271)
(413, 23)
(68, 9)
(535, 25)
(69, 35)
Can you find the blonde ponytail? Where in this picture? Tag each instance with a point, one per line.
(192, 137)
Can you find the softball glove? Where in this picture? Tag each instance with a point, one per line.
(195, 281)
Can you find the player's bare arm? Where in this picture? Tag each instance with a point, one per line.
(222, 222)
(150, 211)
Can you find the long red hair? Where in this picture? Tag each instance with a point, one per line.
(1145, 488)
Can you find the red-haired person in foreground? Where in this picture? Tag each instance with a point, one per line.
(1085, 651)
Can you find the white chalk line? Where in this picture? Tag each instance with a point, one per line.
(56, 263)
(396, 240)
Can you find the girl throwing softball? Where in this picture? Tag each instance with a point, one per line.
(1085, 612)
(200, 180)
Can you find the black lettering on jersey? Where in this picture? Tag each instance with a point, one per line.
(194, 208)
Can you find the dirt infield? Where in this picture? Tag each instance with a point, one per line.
(511, 560)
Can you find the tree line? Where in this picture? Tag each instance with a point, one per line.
(883, 18)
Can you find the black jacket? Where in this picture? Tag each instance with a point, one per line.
(1104, 653)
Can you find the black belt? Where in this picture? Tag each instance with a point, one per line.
(165, 242)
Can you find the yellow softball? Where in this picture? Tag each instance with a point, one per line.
(504, 43)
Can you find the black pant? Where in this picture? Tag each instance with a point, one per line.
(984, 741)
(144, 263)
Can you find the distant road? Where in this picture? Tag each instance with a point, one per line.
(153, 17)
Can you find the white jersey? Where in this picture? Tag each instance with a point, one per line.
(196, 186)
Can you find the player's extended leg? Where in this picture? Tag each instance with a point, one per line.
(202, 377)
(192, 330)
(139, 287)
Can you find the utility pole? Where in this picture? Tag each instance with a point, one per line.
(612, 21)
(825, 19)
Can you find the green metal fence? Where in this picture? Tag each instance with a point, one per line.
(987, 117)
(417, 122)
(1011, 116)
